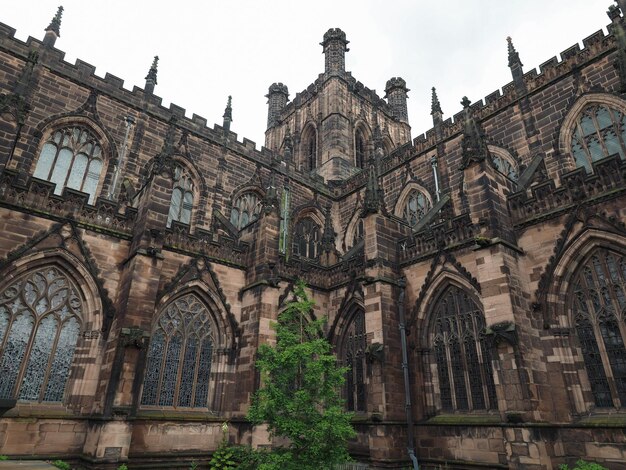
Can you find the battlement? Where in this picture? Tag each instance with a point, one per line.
(334, 34)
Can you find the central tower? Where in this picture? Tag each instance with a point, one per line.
(332, 123)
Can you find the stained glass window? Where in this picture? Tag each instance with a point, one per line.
(464, 370)
(306, 239)
(245, 210)
(71, 157)
(178, 369)
(600, 131)
(40, 316)
(181, 203)
(599, 312)
(354, 359)
(415, 207)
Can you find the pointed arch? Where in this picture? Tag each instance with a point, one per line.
(413, 203)
(187, 359)
(594, 128)
(459, 358)
(306, 232)
(362, 143)
(74, 151)
(504, 162)
(354, 231)
(50, 316)
(309, 147)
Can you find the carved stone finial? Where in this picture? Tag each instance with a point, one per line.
(152, 73)
(288, 145)
(435, 105)
(513, 54)
(270, 201)
(228, 114)
(474, 147)
(55, 24)
(328, 236)
(371, 203)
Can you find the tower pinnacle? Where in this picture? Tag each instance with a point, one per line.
(435, 109)
(335, 48)
(151, 78)
(228, 114)
(515, 64)
(53, 31)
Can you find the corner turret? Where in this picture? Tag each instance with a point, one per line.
(396, 95)
(335, 48)
(277, 97)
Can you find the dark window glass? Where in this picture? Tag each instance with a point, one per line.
(598, 311)
(181, 203)
(306, 239)
(464, 368)
(354, 358)
(415, 207)
(599, 132)
(246, 209)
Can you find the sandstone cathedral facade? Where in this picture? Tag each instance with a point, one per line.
(473, 278)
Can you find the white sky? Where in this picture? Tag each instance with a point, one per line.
(210, 49)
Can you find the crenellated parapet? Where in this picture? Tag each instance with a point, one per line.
(546, 200)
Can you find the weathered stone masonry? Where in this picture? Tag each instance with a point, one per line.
(144, 255)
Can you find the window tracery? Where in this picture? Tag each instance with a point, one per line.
(311, 151)
(179, 361)
(416, 205)
(599, 312)
(40, 316)
(599, 131)
(245, 210)
(462, 357)
(71, 157)
(181, 203)
(354, 359)
(306, 239)
(504, 166)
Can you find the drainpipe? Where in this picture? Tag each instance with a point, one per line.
(433, 162)
(405, 370)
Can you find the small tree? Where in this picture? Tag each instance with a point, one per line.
(300, 397)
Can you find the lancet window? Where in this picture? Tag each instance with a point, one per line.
(71, 157)
(40, 318)
(354, 359)
(599, 312)
(360, 149)
(463, 358)
(180, 356)
(181, 203)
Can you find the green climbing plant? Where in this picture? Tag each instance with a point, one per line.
(300, 397)
(583, 465)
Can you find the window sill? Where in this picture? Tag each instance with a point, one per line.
(480, 418)
(179, 415)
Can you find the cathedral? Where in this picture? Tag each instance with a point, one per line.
(473, 278)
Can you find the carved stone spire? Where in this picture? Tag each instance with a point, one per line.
(228, 114)
(53, 31)
(474, 147)
(151, 78)
(515, 64)
(24, 82)
(270, 201)
(371, 203)
(328, 235)
(435, 109)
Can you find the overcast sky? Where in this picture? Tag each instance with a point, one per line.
(211, 49)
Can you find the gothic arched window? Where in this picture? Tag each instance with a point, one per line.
(180, 356)
(360, 149)
(504, 166)
(40, 317)
(599, 313)
(354, 345)
(306, 239)
(181, 203)
(71, 157)
(600, 131)
(246, 209)
(415, 207)
(461, 353)
(359, 233)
